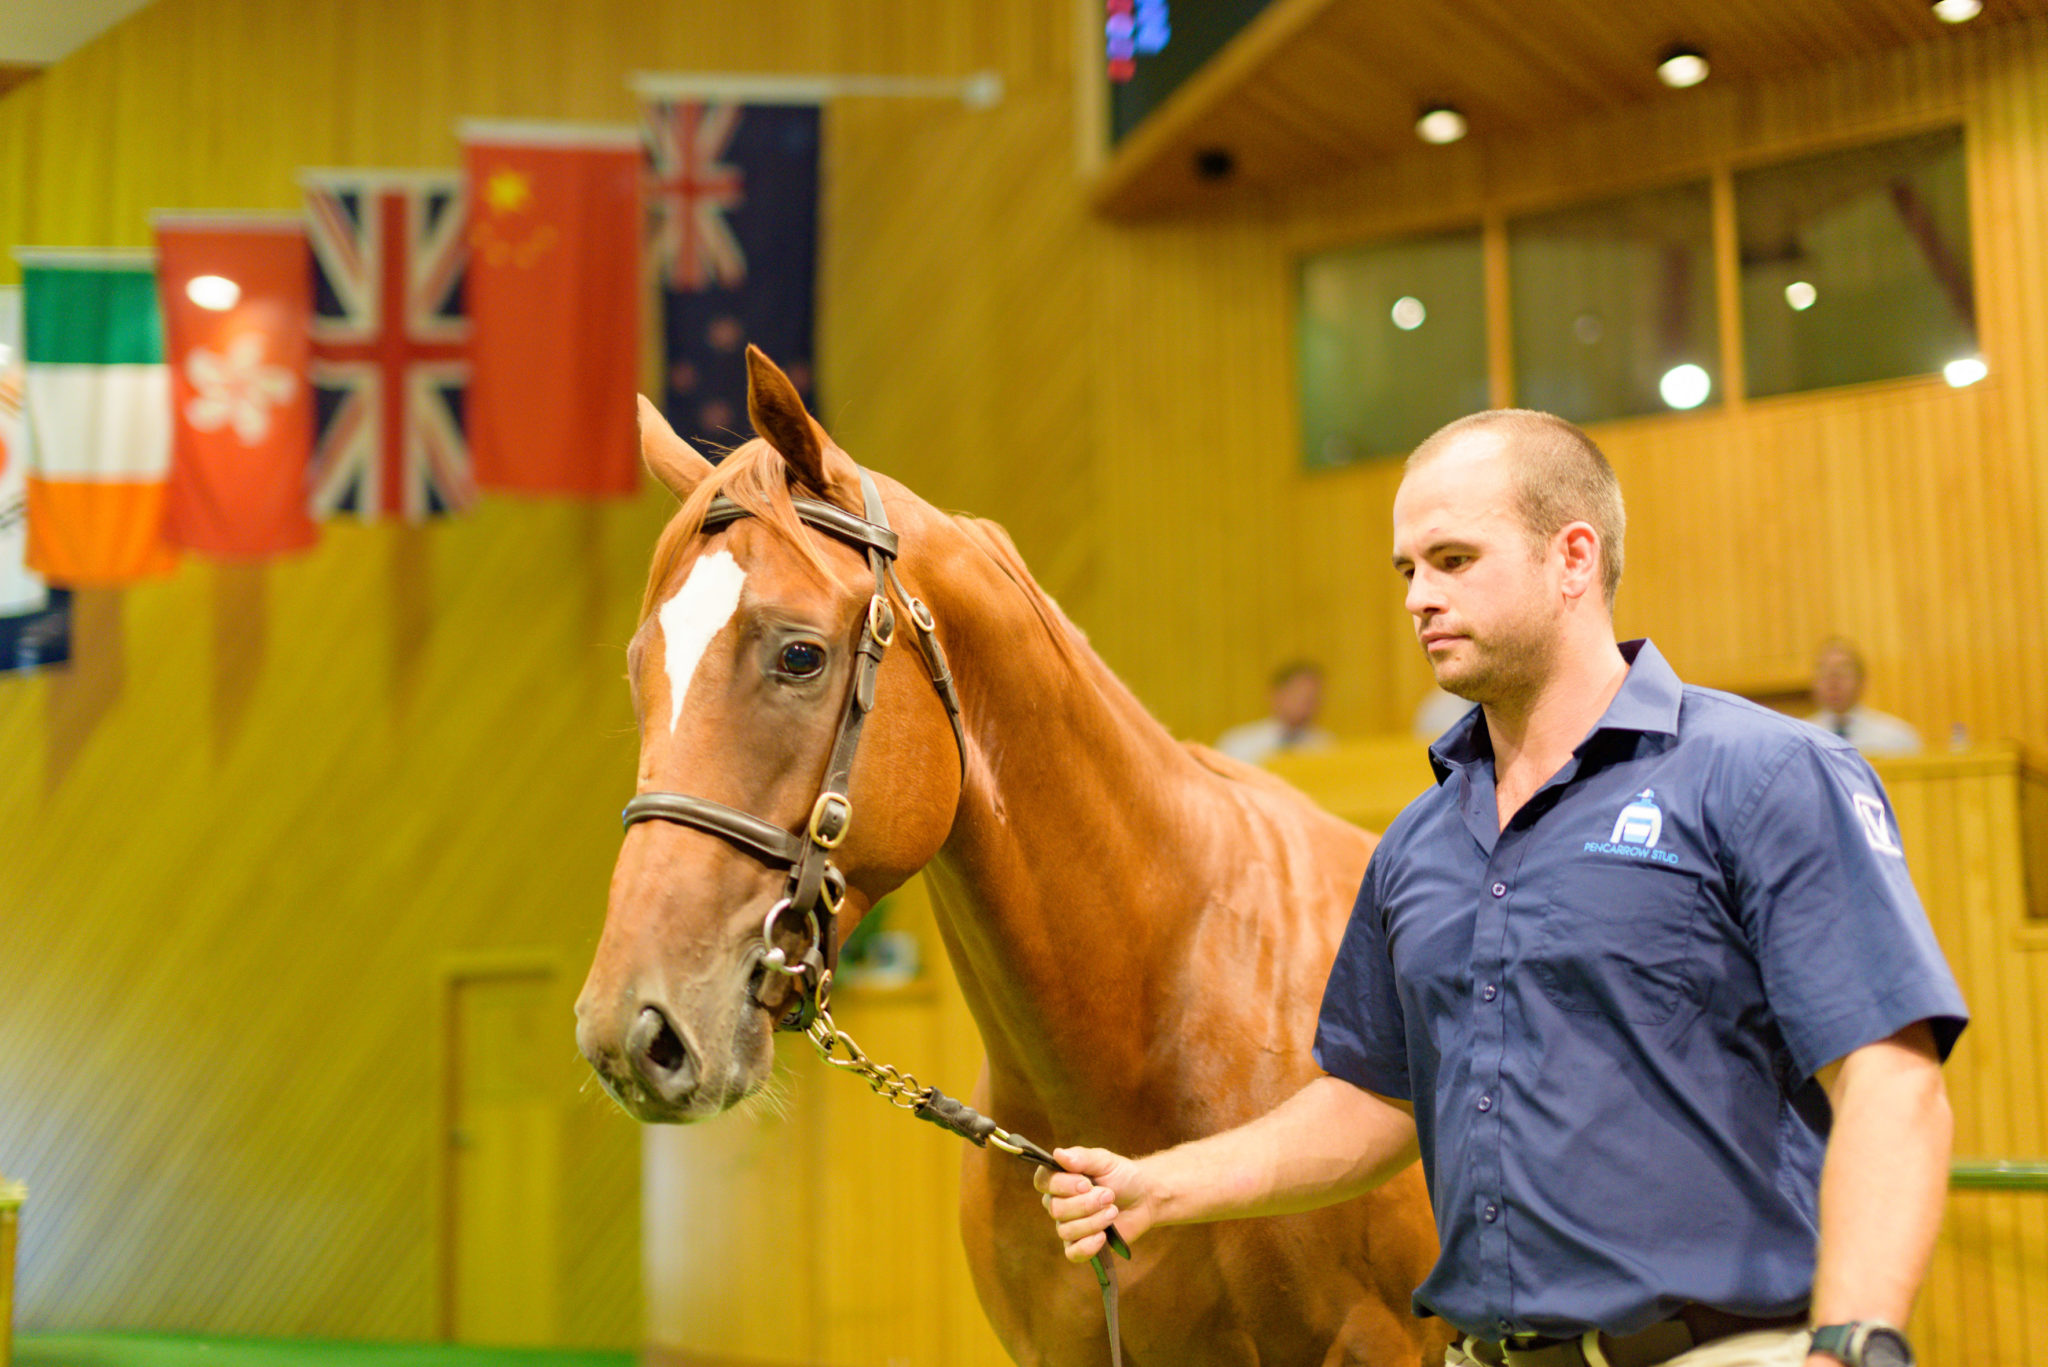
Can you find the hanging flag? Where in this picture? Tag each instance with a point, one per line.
(554, 298)
(390, 353)
(733, 195)
(237, 294)
(21, 589)
(97, 416)
(35, 620)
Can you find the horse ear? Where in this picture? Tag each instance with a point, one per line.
(669, 458)
(781, 420)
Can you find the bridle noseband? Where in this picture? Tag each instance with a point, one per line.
(817, 889)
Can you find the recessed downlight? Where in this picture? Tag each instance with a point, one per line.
(1440, 124)
(1682, 68)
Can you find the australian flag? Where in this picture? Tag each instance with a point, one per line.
(732, 191)
(390, 343)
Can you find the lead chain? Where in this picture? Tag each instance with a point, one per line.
(892, 1085)
(895, 1087)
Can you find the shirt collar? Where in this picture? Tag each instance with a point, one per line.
(1648, 703)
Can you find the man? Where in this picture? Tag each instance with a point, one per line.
(1295, 699)
(1643, 981)
(1838, 688)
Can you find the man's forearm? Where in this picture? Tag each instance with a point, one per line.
(1327, 1143)
(1884, 1182)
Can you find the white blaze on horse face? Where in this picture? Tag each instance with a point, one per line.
(698, 611)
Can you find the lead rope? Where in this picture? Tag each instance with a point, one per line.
(903, 1090)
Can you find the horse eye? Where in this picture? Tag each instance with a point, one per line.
(802, 659)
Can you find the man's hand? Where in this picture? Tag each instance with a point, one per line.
(1328, 1142)
(1099, 1188)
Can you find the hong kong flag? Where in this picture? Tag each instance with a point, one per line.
(237, 296)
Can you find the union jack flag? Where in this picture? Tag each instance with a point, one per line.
(390, 343)
(691, 190)
(733, 190)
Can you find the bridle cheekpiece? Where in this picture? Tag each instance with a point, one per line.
(817, 889)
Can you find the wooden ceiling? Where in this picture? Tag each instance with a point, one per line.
(1312, 88)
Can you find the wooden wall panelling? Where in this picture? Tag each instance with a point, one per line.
(1959, 823)
(1122, 398)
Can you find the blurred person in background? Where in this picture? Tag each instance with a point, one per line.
(1295, 699)
(1838, 688)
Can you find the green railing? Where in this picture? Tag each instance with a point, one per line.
(1998, 1174)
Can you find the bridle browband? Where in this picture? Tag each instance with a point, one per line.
(817, 889)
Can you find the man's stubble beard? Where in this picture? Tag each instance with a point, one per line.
(1510, 668)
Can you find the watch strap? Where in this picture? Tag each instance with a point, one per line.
(1836, 1341)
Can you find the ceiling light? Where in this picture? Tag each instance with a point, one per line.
(1440, 124)
(1800, 294)
(1957, 11)
(1967, 370)
(1682, 68)
(215, 292)
(1685, 386)
(1409, 314)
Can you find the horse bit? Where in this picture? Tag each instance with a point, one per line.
(816, 889)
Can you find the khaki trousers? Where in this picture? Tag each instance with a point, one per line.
(1766, 1348)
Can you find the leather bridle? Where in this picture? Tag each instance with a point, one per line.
(817, 889)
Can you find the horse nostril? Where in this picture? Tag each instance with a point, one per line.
(660, 1053)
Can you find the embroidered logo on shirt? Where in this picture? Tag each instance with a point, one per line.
(1637, 831)
(1640, 823)
(1876, 829)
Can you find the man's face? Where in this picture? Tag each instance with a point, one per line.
(1297, 699)
(1486, 606)
(1837, 682)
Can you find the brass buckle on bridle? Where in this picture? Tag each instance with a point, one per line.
(831, 818)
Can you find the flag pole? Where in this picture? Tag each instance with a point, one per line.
(980, 90)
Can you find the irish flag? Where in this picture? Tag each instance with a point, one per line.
(98, 416)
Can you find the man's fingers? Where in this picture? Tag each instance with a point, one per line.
(1087, 1162)
(1062, 1183)
(1079, 1207)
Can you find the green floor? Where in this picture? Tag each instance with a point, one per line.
(163, 1350)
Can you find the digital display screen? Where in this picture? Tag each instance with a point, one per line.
(1151, 46)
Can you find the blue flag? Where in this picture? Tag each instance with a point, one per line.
(35, 640)
(732, 192)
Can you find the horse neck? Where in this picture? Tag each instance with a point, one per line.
(1084, 832)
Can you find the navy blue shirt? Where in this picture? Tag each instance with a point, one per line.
(1609, 1015)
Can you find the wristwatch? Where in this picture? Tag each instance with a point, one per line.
(1864, 1343)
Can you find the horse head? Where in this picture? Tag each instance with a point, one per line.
(765, 598)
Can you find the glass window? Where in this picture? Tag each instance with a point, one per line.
(1856, 265)
(1393, 345)
(1613, 306)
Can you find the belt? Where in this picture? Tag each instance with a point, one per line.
(1691, 1326)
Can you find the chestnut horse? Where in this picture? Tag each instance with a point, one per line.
(1142, 928)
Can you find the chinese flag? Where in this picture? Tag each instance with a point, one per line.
(237, 297)
(554, 296)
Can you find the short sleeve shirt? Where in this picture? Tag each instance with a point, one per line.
(1609, 1015)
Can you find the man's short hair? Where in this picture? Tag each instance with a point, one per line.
(1294, 669)
(1560, 478)
(1842, 645)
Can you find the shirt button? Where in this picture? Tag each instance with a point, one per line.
(1492, 1212)
(1500, 889)
(1485, 1103)
(1489, 992)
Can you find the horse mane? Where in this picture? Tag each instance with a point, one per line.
(753, 475)
(992, 540)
